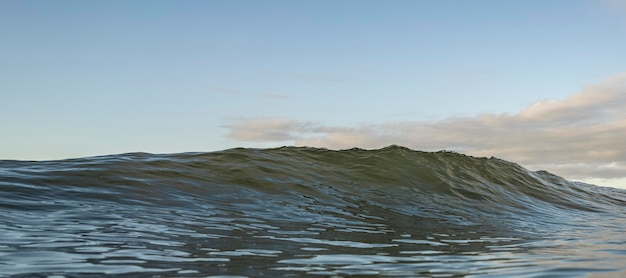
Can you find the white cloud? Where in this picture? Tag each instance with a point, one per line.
(581, 137)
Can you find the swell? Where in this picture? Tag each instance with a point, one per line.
(302, 212)
(446, 187)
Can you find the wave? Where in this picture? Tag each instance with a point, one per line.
(285, 194)
(393, 177)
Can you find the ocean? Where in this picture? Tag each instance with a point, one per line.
(304, 212)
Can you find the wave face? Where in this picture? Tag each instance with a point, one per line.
(303, 212)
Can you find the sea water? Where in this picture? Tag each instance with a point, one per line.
(291, 212)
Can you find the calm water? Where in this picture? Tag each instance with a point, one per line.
(292, 212)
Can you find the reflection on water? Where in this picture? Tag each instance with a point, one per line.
(304, 212)
(175, 242)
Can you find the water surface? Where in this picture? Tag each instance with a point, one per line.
(304, 212)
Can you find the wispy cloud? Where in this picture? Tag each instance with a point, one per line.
(579, 137)
(229, 91)
(313, 78)
(617, 4)
(276, 96)
(617, 8)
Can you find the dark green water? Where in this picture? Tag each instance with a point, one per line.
(292, 212)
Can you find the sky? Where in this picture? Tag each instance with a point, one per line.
(539, 83)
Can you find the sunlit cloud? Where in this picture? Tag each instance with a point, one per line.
(580, 137)
(266, 130)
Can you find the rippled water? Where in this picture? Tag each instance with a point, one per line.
(304, 212)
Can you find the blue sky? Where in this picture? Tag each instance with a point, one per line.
(83, 78)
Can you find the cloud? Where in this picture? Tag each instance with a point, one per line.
(266, 130)
(313, 78)
(617, 4)
(580, 137)
(276, 96)
(227, 91)
(616, 8)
